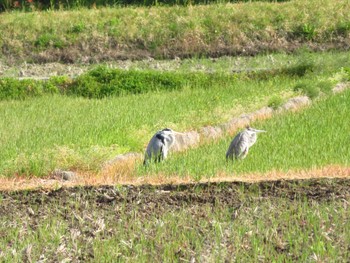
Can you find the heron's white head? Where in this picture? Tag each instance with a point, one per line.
(167, 130)
(170, 131)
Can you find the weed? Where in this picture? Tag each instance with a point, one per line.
(346, 71)
(325, 86)
(308, 89)
(275, 102)
(47, 40)
(343, 28)
(78, 28)
(14, 89)
(300, 69)
(103, 82)
(307, 31)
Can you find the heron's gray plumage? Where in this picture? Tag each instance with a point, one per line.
(159, 145)
(241, 143)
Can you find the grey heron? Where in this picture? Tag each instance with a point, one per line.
(241, 143)
(159, 145)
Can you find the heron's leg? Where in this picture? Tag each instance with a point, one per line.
(155, 156)
(159, 157)
(160, 154)
(164, 153)
(229, 157)
(147, 159)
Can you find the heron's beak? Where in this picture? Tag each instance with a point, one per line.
(260, 131)
(178, 133)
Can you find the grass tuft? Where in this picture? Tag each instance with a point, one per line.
(309, 90)
(275, 102)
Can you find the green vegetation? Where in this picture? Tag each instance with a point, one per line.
(44, 130)
(314, 137)
(80, 122)
(94, 35)
(14, 89)
(275, 102)
(309, 90)
(42, 133)
(103, 82)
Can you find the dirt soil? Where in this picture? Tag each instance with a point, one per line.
(151, 199)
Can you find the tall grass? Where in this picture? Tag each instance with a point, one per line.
(166, 32)
(315, 137)
(51, 131)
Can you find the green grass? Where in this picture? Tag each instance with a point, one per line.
(311, 138)
(103, 81)
(39, 134)
(87, 35)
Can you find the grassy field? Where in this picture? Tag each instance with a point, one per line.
(305, 221)
(312, 138)
(82, 122)
(51, 131)
(41, 133)
(92, 35)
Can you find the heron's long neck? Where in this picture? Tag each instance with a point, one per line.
(171, 140)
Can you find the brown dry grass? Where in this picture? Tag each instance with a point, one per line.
(122, 174)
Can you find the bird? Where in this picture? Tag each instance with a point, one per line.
(241, 143)
(159, 145)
